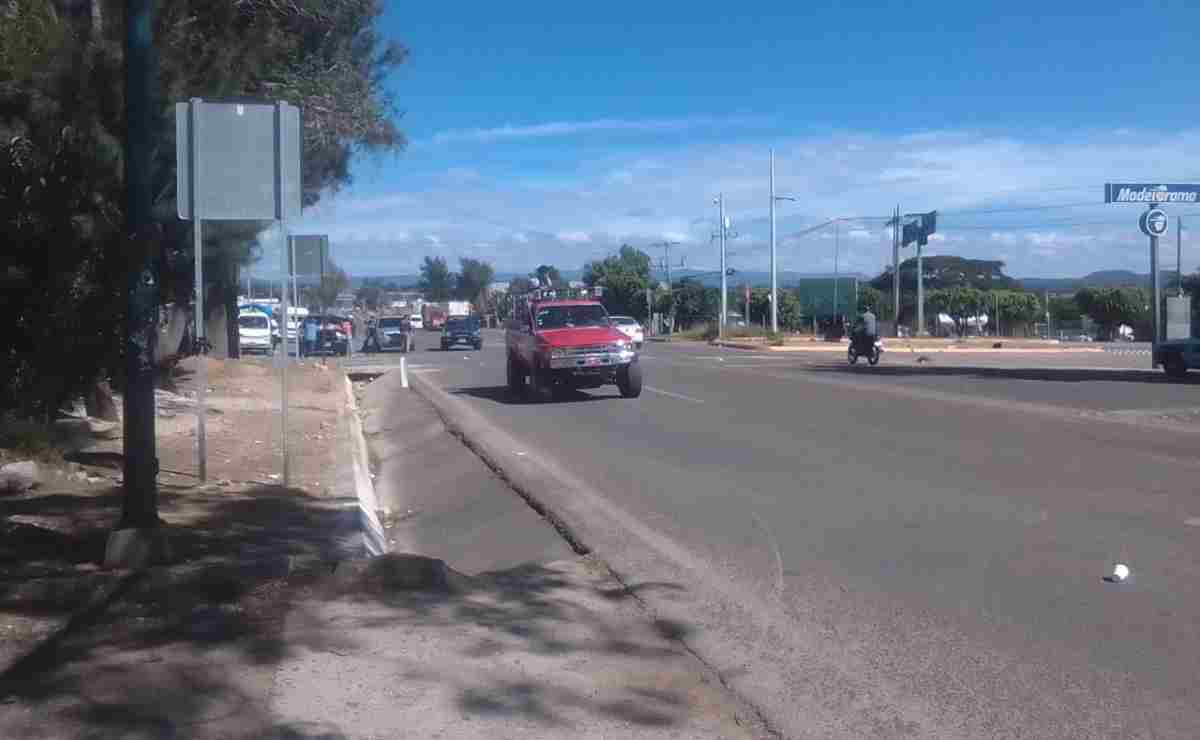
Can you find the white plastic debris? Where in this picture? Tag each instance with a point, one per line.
(1120, 572)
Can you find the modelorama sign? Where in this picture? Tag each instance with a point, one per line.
(1123, 192)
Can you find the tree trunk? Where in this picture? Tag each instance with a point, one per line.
(99, 401)
(232, 334)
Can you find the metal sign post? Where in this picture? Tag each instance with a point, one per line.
(1153, 223)
(256, 149)
(198, 333)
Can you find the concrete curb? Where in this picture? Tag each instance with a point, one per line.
(374, 539)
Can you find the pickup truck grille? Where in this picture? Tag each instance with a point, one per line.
(588, 350)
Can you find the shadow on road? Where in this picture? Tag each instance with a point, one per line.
(1047, 374)
(501, 394)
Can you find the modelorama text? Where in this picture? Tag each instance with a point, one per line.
(1149, 195)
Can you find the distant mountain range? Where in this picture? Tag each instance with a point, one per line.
(1099, 279)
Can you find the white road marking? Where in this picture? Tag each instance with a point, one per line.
(671, 395)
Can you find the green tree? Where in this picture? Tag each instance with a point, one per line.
(790, 311)
(547, 275)
(1017, 310)
(1064, 308)
(959, 303)
(437, 283)
(625, 277)
(694, 303)
(333, 283)
(872, 298)
(61, 76)
(474, 277)
(519, 285)
(1111, 307)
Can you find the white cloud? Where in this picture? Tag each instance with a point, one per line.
(575, 237)
(645, 196)
(574, 128)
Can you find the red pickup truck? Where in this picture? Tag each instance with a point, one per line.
(556, 342)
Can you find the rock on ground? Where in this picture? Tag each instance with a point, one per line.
(19, 476)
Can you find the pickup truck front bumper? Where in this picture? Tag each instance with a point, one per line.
(591, 360)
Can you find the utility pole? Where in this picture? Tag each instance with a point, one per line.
(774, 270)
(920, 293)
(139, 523)
(837, 244)
(896, 271)
(720, 202)
(666, 265)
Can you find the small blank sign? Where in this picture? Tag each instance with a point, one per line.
(312, 255)
(235, 152)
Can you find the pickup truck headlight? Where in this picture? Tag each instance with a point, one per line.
(618, 347)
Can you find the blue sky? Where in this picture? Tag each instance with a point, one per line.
(553, 132)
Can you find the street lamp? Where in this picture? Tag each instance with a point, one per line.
(774, 277)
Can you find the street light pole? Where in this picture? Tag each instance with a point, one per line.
(724, 287)
(774, 284)
(837, 246)
(774, 272)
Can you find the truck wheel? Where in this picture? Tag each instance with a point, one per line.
(1174, 365)
(629, 380)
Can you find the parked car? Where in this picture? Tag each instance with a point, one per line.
(392, 332)
(416, 322)
(630, 327)
(331, 337)
(254, 332)
(463, 330)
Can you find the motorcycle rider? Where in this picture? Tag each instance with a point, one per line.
(866, 331)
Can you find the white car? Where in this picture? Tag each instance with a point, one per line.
(254, 331)
(629, 326)
(416, 322)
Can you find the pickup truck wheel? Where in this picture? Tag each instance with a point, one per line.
(629, 380)
(1174, 365)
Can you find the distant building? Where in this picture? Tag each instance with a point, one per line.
(344, 301)
(498, 287)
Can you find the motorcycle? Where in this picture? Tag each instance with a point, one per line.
(864, 346)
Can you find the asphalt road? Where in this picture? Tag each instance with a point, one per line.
(907, 550)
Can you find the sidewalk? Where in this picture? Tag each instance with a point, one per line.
(270, 624)
(407, 647)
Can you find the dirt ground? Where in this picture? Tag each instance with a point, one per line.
(52, 538)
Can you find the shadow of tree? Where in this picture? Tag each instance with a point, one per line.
(192, 649)
(191, 645)
(545, 620)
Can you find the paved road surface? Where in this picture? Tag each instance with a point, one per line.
(897, 551)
